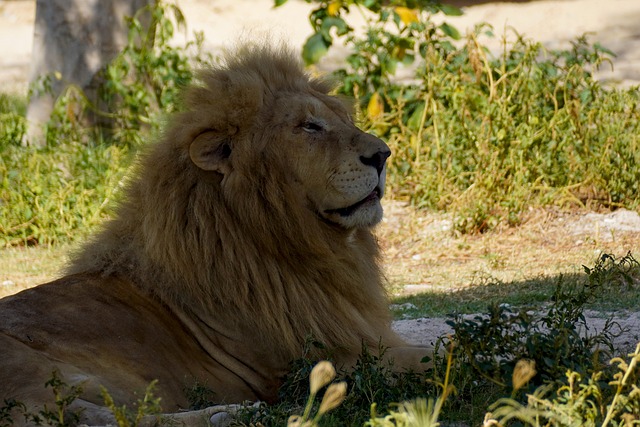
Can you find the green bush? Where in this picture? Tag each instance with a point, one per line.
(136, 89)
(598, 400)
(57, 194)
(481, 135)
(372, 381)
(143, 83)
(484, 137)
(60, 192)
(500, 360)
(12, 119)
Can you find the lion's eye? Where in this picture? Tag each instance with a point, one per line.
(312, 127)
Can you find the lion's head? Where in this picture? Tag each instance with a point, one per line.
(292, 125)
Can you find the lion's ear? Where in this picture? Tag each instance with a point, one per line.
(210, 151)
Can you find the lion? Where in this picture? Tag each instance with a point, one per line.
(245, 229)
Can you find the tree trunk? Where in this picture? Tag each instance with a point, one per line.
(73, 39)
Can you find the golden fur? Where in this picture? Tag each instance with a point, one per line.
(246, 229)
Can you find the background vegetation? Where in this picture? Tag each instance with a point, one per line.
(483, 135)
(60, 192)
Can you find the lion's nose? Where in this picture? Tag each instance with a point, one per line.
(376, 160)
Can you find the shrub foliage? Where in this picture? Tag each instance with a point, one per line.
(484, 134)
(59, 192)
(535, 366)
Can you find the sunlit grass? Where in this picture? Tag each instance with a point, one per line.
(25, 267)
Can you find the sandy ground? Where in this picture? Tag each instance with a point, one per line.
(549, 243)
(552, 22)
(614, 23)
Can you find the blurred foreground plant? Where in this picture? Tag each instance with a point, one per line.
(581, 402)
(321, 375)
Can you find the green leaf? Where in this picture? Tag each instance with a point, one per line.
(341, 27)
(389, 66)
(372, 5)
(451, 10)
(599, 48)
(179, 17)
(450, 31)
(416, 118)
(279, 3)
(408, 59)
(314, 49)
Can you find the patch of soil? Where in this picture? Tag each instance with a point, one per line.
(423, 253)
(425, 331)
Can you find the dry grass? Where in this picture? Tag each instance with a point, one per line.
(24, 267)
(422, 253)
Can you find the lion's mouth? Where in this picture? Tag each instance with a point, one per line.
(374, 195)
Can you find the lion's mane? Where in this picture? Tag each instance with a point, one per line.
(253, 254)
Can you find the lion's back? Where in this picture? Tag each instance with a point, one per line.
(97, 332)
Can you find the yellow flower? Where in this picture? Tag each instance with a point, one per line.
(375, 108)
(333, 397)
(523, 372)
(334, 7)
(321, 375)
(406, 15)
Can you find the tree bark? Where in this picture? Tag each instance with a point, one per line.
(74, 39)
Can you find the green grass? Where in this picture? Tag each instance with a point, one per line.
(620, 295)
(13, 109)
(475, 298)
(13, 103)
(58, 193)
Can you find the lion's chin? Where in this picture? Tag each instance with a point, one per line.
(362, 214)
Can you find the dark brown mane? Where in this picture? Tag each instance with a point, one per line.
(253, 253)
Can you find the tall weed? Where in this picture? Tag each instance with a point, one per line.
(60, 192)
(523, 130)
(57, 194)
(485, 135)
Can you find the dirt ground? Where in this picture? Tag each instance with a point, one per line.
(552, 22)
(421, 251)
(423, 254)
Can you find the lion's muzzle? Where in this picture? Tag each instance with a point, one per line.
(377, 160)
